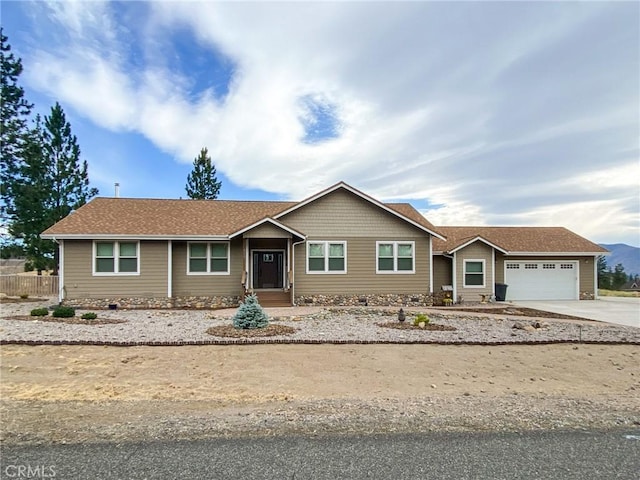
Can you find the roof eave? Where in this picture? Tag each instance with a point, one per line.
(110, 236)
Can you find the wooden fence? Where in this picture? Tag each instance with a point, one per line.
(38, 285)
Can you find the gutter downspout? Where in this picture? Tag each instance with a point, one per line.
(293, 271)
(170, 268)
(595, 280)
(431, 266)
(60, 269)
(454, 279)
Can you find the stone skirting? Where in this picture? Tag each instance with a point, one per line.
(220, 301)
(587, 296)
(386, 299)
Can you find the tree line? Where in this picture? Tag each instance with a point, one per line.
(613, 279)
(42, 176)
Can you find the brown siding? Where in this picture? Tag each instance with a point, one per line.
(361, 277)
(585, 267)
(267, 230)
(442, 274)
(206, 285)
(342, 214)
(475, 251)
(79, 281)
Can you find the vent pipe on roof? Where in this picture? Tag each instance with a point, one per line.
(117, 192)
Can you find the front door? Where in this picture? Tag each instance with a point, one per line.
(268, 267)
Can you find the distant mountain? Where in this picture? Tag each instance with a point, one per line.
(627, 255)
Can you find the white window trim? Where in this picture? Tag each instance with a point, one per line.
(395, 244)
(484, 272)
(209, 272)
(116, 259)
(326, 270)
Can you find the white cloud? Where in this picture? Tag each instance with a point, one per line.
(494, 111)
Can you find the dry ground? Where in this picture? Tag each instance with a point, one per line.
(85, 393)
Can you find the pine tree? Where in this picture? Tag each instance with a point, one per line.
(52, 182)
(14, 114)
(250, 314)
(202, 183)
(604, 278)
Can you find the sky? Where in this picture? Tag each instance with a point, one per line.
(477, 113)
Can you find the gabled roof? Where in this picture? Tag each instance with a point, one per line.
(518, 240)
(404, 211)
(468, 241)
(270, 221)
(164, 219)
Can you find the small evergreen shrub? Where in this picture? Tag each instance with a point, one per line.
(64, 312)
(24, 296)
(421, 318)
(89, 316)
(250, 314)
(40, 312)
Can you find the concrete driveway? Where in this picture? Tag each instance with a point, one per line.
(619, 310)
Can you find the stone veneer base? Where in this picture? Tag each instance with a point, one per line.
(387, 299)
(220, 301)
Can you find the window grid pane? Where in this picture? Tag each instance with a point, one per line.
(128, 265)
(197, 264)
(128, 250)
(474, 279)
(385, 264)
(405, 264)
(385, 250)
(218, 264)
(316, 249)
(316, 264)
(198, 250)
(473, 267)
(104, 249)
(218, 250)
(104, 265)
(405, 250)
(336, 264)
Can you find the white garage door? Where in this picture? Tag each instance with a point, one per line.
(541, 280)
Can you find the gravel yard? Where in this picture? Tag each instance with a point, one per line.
(398, 383)
(311, 325)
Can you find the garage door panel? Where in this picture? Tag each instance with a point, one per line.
(541, 280)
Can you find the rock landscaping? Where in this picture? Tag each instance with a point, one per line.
(305, 325)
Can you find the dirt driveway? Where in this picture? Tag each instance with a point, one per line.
(80, 394)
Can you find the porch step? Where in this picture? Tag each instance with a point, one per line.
(277, 298)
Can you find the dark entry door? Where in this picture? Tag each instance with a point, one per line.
(267, 269)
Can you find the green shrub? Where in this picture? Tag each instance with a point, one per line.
(24, 296)
(64, 312)
(40, 312)
(420, 318)
(250, 314)
(89, 316)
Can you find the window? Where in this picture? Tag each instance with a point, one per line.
(395, 257)
(530, 266)
(474, 273)
(566, 266)
(208, 258)
(513, 266)
(549, 266)
(327, 257)
(111, 258)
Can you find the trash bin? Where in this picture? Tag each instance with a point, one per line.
(501, 292)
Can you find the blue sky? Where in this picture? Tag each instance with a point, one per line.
(478, 113)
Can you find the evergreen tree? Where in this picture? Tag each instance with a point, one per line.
(619, 278)
(14, 114)
(202, 183)
(52, 182)
(250, 314)
(604, 278)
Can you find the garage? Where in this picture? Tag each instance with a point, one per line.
(541, 280)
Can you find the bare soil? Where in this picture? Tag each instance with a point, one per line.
(92, 393)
